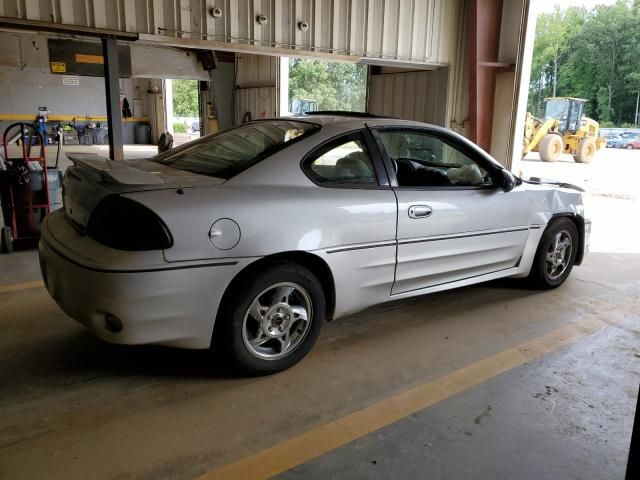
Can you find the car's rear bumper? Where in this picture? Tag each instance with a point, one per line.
(169, 304)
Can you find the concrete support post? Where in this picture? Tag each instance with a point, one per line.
(283, 75)
(112, 89)
(167, 92)
(523, 76)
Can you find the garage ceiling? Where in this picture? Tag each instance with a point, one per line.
(421, 31)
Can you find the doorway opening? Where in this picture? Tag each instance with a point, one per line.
(318, 85)
(183, 109)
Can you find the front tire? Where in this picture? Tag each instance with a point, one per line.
(270, 321)
(6, 240)
(551, 147)
(556, 254)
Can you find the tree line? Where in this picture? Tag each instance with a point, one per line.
(185, 98)
(335, 86)
(592, 54)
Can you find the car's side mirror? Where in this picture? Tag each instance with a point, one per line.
(508, 180)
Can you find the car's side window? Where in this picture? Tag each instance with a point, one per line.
(342, 162)
(424, 160)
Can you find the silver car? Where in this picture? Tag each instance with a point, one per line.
(247, 240)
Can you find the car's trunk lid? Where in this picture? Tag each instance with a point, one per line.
(92, 178)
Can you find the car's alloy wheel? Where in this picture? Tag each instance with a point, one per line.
(277, 321)
(559, 254)
(270, 318)
(556, 254)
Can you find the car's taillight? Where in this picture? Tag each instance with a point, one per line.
(124, 224)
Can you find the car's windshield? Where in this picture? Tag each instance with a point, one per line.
(228, 153)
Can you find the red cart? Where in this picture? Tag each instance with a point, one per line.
(24, 190)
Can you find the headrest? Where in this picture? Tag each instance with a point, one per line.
(355, 165)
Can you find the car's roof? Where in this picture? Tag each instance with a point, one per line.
(349, 119)
(331, 118)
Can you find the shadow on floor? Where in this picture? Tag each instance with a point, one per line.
(67, 354)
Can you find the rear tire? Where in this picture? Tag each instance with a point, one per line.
(556, 254)
(551, 147)
(270, 321)
(586, 151)
(629, 147)
(6, 240)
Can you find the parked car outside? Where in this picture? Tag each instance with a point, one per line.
(613, 140)
(195, 127)
(247, 240)
(629, 141)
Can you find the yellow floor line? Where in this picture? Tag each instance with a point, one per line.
(21, 286)
(318, 441)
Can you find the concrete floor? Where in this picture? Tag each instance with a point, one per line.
(73, 407)
(556, 418)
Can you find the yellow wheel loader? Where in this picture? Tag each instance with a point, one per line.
(563, 130)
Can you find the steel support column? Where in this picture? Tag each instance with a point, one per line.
(112, 89)
(485, 18)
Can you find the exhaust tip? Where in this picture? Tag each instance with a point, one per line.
(112, 323)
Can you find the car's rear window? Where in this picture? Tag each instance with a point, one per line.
(228, 153)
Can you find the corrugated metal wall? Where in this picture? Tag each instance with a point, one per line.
(155, 62)
(440, 97)
(421, 31)
(260, 102)
(420, 96)
(256, 70)
(256, 86)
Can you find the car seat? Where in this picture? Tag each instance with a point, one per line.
(355, 166)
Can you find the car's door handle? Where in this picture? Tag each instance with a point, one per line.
(420, 211)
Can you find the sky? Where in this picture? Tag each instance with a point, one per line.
(547, 6)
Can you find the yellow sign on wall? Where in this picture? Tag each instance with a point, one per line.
(58, 67)
(84, 58)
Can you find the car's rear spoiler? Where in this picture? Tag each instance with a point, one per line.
(114, 171)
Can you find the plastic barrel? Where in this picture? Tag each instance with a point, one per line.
(54, 182)
(142, 134)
